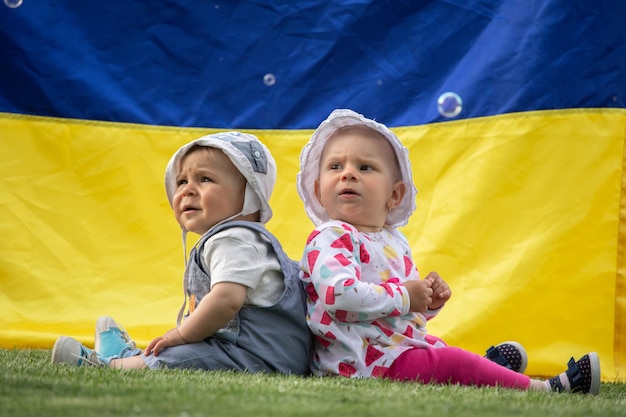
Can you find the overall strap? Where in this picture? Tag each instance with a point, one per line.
(288, 265)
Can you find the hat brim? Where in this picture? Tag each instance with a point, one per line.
(310, 162)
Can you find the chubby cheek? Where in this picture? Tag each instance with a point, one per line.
(323, 190)
(316, 186)
(176, 205)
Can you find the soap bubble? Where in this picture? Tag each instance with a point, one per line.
(449, 104)
(269, 79)
(13, 3)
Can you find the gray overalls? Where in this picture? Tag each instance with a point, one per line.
(258, 339)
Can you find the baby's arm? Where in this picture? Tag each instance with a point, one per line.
(212, 313)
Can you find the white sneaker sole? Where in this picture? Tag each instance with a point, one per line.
(66, 350)
(594, 362)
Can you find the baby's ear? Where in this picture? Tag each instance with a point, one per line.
(397, 195)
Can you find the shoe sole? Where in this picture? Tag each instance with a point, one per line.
(594, 363)
(65, 350)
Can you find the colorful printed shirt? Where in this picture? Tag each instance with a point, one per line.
(357, 306)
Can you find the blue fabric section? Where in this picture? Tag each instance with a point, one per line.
(283, 65)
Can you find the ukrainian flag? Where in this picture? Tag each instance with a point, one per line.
(522, 203)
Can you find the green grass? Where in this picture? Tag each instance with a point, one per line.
(31, 386)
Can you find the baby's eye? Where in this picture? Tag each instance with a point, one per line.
(181, 182)
(366, 168)
(206, 179)
(335, 166)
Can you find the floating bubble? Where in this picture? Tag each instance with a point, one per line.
(449, 104)
(269, 79)
(13, 3)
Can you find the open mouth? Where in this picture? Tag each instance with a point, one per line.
(348, 192)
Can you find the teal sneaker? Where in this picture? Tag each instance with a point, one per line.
(112, 341)
(72, 352)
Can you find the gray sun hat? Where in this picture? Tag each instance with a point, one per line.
(310, 166)
(250, 157)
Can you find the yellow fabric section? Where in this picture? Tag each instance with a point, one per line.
(523, 214)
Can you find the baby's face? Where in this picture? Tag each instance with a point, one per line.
(359, 180)
(209, 189)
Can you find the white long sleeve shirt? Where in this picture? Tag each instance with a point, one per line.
(357, 305)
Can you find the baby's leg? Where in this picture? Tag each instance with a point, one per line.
(451, 365)
(134, 362)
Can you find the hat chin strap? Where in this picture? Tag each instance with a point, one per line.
(181, 311)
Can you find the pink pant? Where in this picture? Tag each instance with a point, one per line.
(451, 365)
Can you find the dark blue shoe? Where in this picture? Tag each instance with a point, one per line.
(511, 355)
(583, 376)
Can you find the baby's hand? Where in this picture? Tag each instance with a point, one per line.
(171, 338)
(441, 291)
(420, 293)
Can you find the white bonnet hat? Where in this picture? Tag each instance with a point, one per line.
(310, 166)
(252, 159)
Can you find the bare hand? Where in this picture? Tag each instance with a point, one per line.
(441, 291)
(420, 293)
(171, 338)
